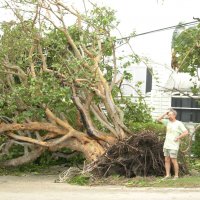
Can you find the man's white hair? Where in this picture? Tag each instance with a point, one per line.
(173, 111)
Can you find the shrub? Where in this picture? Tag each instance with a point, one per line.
(151, 126)
(196, 144)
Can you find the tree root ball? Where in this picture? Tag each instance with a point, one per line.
(138, 155)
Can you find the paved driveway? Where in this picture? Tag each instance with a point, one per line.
(44, 188)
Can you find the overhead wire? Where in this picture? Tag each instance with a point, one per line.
(158, 30)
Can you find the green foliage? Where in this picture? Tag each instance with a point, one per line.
(194, 165)
(152, 126)
(42, 164)
(136, 111)
(196, 144)
(14, 42)
(102, 19)
(14, 152)
(79, 180)
(48, 160)
(187, 49)
(25, 101)
(24, 169)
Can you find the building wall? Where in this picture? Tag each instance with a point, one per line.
(165, 82)
(159, 99)
(159, 102)
(139, 75)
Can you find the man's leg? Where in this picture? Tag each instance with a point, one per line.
(176, 167)
(167, 165)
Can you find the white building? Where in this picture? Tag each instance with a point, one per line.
(164, 88)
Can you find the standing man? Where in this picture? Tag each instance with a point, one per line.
(175, 131)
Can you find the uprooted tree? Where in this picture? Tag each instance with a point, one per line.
(59, 81)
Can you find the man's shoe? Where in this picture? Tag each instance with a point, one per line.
(166, 178)
(175, 178)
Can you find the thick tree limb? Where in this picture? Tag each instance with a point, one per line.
(24, 159)
(60, 122)
(33, 126)
(102, 119)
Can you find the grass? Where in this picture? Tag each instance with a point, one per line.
(186, 181)
(31, 169)
(80, 180)
(182, 182)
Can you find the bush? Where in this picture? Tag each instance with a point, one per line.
(151, 126)
(196, 144)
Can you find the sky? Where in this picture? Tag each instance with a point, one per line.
(146, 15)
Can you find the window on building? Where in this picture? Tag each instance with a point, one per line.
(188, 109)
(148, 81)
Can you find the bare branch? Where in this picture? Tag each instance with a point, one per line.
(32, 66)
(27, 139)
(115, 68)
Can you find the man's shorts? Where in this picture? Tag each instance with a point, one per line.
(170, 153)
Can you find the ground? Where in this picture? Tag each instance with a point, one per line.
(33, 187)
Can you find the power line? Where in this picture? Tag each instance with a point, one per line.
(161, 29)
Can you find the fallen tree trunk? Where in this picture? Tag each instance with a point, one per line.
(52, 136)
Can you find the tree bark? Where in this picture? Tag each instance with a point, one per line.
(36, 153)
